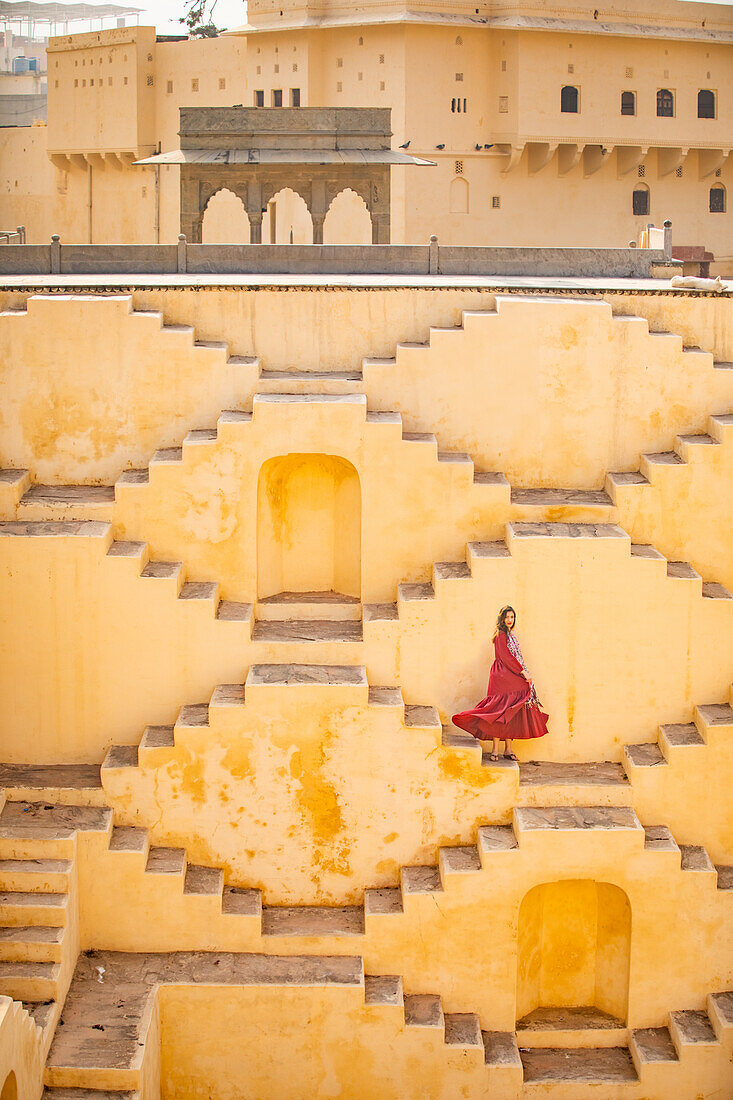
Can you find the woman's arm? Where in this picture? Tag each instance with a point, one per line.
(507, 657)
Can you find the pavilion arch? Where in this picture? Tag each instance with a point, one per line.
(10, 1087)
(574, 943)
(308, 525)
(224, 220)
(459, 195)
(348, 220)
(287, 219)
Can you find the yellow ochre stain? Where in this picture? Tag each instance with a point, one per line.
(453, 769)
(237, 760)
(318, 803)
(188, 772)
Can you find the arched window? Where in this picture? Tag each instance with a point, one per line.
(628, 103)
(459, 195)
(640, 201)
(717, 199)
(569, 100)
(665, 103)
(705, 103)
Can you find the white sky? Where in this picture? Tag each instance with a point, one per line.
(164, 14)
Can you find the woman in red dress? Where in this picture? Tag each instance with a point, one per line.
(511, 707)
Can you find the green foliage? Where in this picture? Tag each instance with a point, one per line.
(199, 19)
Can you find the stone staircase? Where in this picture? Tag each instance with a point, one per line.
(103, 1051)
(34, 831)
(39, 924)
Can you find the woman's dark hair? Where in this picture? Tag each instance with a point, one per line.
(500, 622)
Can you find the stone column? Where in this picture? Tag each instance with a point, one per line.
(253, 206)
(191, 213)
(380, 206)
(318, 209)
(255, 226)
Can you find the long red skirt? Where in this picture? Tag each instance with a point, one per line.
(509, 717)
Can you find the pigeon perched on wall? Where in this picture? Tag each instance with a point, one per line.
(405, 146)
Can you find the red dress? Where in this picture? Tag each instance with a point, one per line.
(511, 708)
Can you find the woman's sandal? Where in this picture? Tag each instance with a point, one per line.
(509, 756)
(494, 757)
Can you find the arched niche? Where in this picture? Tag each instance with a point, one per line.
(225, 219)
(287, 219)
(459, 195)
(10, 1088)
(308, 525)
(573, 948)
(348, 220)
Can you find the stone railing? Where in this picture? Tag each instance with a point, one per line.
(253, 259)
(13, 236)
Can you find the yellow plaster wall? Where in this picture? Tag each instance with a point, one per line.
(89, 389)
(690, 792)
(334, 773)
(335, 328)
(21, 1053)
(308, 526)
(590, 391)
(142, 650)
(574, 939)
(299, 1041)
(476, 970)
(600, 631)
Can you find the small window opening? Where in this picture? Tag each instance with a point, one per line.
(628, 103)
(569, 100)
(295, 97)
(277, 97)
(665, 103)
(717, 199)
(260, 98)
(705, 103)
(640, 202)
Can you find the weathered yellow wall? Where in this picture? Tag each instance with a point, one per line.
(586, 643)
(574, 939)
(462, 941)
(21, 1053)
(115, 387)
(332, 769)
(308, 526)
(290, 1043)
(318, 793)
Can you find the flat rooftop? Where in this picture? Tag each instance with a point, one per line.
(537, 284)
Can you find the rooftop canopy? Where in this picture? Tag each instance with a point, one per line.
(25, 10)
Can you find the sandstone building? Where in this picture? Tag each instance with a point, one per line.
(570, 125)
(255, 531)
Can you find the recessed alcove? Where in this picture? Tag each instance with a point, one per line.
(10, 1088)
(573, 958)
(308, 528)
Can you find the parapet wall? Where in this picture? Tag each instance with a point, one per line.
(241, 259)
